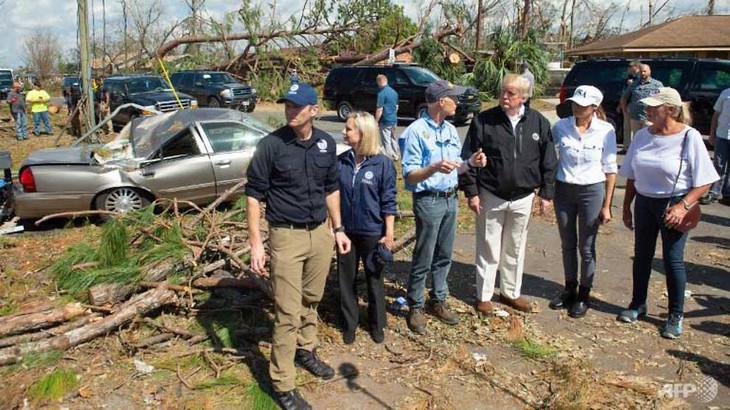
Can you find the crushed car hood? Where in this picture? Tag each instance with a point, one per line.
(81, 154)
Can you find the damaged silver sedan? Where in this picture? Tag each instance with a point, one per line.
(192, 155)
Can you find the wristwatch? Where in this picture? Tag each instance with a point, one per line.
(339, 229)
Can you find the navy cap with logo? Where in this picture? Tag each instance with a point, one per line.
(300, 94)
(379, 258)
(442, 88)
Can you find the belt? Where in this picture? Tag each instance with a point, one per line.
(307, 226)
(439, 194)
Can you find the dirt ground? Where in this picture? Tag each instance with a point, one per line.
(539, 360)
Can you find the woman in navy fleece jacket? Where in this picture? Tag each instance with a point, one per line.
(367, 198)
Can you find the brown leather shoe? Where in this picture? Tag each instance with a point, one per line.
(520, 303)
(485, 308)
(416, 320)
(438, 309)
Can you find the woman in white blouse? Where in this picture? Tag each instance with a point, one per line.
(667, 169)
(583, 192)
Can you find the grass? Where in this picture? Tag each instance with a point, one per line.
(221, 381)
(9, 308)
(54, 385)
(259, 399)
(43, 359)
(534, 350)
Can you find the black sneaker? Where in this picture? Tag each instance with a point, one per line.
(313, 364)
(291, 400)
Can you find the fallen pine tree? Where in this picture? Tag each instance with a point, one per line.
(142, 263)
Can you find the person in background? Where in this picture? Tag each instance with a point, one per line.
(295, 171)
(294, 77)
(584, 185)
(645, 87)
(667, 169)
(431, 162)
(633, 74)
(16, 99)
(720, 139)
(527, 74)
(386, 115)
(368, 208)
(520, 160)
(38, 99)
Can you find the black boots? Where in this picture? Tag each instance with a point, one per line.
(580, 306)
(566, 297)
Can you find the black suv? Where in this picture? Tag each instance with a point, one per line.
(71, 88)
(354, 88)
(699, 81)
(150, 92)
(215, 89)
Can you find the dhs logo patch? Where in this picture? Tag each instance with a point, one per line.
(368, 178)
(322, 145)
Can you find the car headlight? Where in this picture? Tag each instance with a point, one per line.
(148, 110)
(226, 93)
(253, 90)
(193, 103)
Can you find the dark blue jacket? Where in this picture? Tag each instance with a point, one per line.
(365, 202)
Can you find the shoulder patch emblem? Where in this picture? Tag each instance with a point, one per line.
(322, 144)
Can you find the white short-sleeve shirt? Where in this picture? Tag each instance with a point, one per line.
(653, 163)
(722, 106)
(585, 159)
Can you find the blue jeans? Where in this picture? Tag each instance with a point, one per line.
(21, 125)
(648, 224)
(435, 233)
(577, 208)
(722, 166)
(39, 117)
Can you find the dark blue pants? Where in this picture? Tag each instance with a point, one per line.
(577, 208)
(648, 225)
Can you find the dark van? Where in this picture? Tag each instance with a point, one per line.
(699, 82)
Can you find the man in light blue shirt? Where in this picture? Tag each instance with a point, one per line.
(386, 114)
(431, 161)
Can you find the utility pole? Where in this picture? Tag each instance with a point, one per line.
(479, 26)
(710, 8)
(88, 109)
(651, 11)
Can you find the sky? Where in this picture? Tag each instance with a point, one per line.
(21, 17)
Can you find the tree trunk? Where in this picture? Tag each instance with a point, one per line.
(112, 293)
(24, 323)
(137, 306)
(48, 333)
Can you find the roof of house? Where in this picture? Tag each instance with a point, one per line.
(690, 33)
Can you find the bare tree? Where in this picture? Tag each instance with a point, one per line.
(41, 52)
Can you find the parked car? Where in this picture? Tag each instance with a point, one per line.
(6, 82)
(351, 88)
(150, 92)
(71, 88)
(192, 155)
(699, 82)
(215, 89)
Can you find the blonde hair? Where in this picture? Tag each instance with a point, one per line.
(381, 79)
(369, 133)
(518, 81)
(682, 114)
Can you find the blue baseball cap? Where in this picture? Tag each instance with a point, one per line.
(300, 94)
(379, 258)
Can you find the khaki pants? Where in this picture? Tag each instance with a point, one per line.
(300, 262)
(501, 231)
(628, 133)
(636, 125)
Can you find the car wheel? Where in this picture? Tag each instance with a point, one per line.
(250, 108)
(121, 200)
(421, 111)
(343, 110)
(213, 102)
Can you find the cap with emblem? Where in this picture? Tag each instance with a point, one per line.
(586, 95)
(442, 88)
(665, 96)
(300, 94)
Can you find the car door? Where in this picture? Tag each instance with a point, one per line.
(231, 146)
(180, 169)
(365, 92)
(709, 80)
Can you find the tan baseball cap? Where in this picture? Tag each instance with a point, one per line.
(665, 96)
